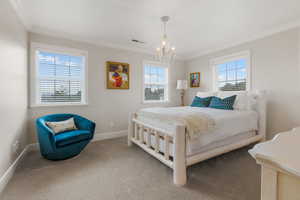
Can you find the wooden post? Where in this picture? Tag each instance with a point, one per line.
(179, 157)
(261, 108)
(130, 128)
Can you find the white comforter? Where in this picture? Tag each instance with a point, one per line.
(196, 121)
(228, 123)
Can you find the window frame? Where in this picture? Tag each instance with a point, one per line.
(34, 85)
(229, 58)
(167, 94)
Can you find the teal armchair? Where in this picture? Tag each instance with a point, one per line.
(66, 144)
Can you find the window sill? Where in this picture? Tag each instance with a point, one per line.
(57, 105)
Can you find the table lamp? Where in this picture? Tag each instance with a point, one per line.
(182, 85)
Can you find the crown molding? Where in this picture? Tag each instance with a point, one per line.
(99, 42)
(20, 13)
(261, 35)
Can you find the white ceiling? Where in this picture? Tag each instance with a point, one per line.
(196, 26)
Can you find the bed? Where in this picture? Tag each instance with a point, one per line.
(172, 142)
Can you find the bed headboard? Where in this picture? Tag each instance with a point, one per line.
(259, 105)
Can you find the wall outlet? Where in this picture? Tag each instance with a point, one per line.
(16, 146)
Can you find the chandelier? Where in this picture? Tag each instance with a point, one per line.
(166, 52)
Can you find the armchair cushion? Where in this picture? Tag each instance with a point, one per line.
(62, 126)
(70, 137)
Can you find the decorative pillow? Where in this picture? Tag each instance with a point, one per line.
(61, 126)
(226, 103)
(241, 101)
(201, 102)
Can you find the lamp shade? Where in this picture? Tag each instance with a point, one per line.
(182, 85)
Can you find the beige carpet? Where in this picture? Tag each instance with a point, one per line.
(110, 170)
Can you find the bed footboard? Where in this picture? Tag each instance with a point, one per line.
(141, 134)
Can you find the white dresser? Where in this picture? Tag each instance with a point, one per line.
(280, 162)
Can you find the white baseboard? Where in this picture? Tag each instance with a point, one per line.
(97, 137)
(35, 147)
(11, 170)
(109, 135)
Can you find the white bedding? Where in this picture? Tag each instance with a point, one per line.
(227, 123)
(195, 120)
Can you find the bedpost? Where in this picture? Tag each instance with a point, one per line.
(179, 158)
(130, 128)
(262, 111)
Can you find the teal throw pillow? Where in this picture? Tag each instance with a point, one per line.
(226, 103)
(201, 102)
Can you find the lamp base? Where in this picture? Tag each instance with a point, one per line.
(182, 97)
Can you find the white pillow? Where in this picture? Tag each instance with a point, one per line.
(206, 94)
(61, 126)
(252, 102)
(241, 101)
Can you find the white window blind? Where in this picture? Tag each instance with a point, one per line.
(155, 83)
(60, 78)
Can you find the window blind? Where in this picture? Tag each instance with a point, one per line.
(60, 78)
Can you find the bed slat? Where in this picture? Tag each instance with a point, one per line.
(148, 138)
(136, 128)
(167, 147)
(142, 134)
(156, 141)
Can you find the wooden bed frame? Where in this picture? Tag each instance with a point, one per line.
(180, 161)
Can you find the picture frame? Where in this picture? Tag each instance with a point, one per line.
(194, 79)
(117, 75)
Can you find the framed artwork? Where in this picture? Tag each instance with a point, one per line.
(195, 79)
(117, 75)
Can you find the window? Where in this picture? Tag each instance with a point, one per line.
(155, 82)
(58, 76)
(232, 73)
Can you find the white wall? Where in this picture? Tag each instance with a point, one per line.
(275, 68)
(13, 85)
(106, 106)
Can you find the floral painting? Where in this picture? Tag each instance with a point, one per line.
(195, 79)
(117, 75)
